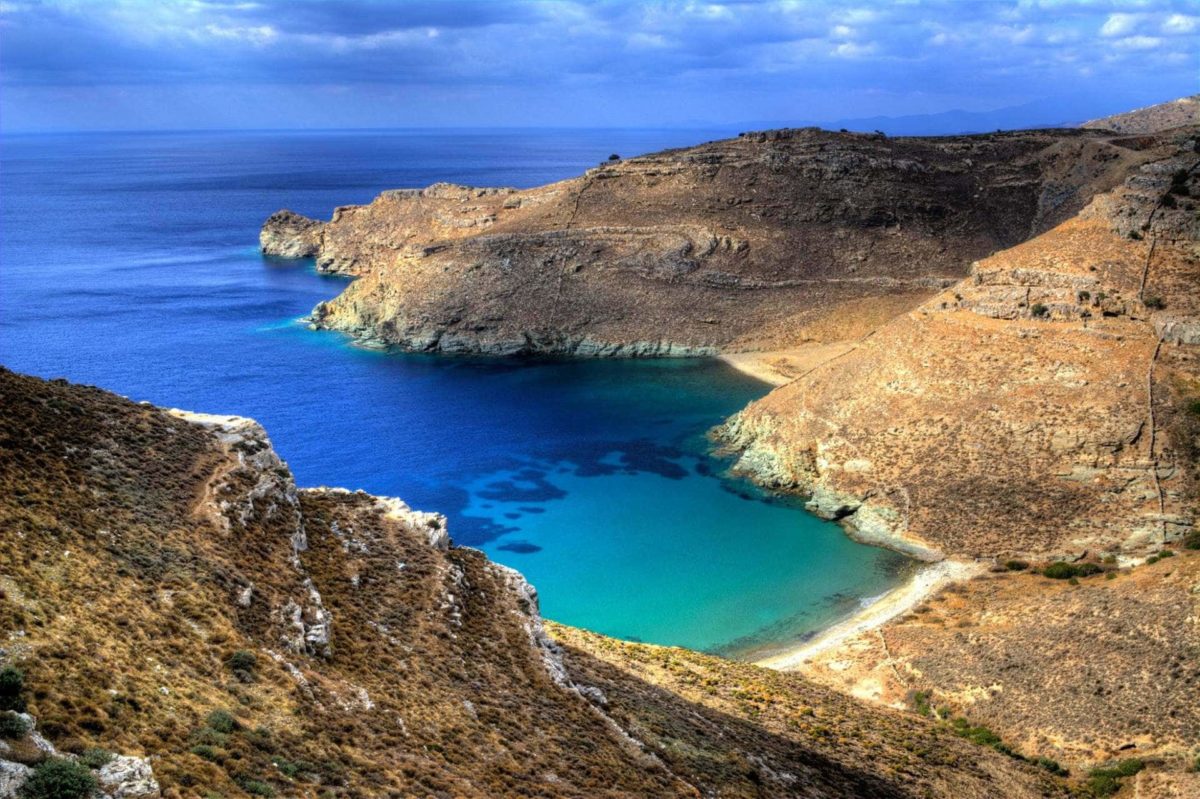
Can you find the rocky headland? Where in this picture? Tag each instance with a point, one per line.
(759, 242)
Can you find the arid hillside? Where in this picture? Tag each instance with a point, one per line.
(1152, 119)
(747, 243)
(1043, 407)
(167, 594)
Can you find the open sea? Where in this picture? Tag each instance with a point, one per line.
(130, 262)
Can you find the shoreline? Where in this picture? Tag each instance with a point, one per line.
(926, 582)
(780, 367)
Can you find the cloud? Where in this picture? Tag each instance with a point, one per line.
(1119, 25)
(1180, 24)
(629, 61)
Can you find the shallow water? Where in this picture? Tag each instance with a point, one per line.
(129, 261)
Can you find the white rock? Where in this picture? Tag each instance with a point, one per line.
(12, 777)
(125, 777)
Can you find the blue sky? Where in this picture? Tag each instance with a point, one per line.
(134, 64)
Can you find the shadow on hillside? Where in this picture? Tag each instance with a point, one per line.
(724, 755)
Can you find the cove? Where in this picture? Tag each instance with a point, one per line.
(129, 263)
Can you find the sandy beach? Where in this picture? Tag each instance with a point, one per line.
(778, 367)
(926, 582)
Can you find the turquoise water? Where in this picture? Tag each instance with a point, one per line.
(129, 262)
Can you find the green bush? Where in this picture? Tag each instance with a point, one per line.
(920, 702)
(96, 758)
(12, 725)
(1016, 565)
(1087, 569)
(1192, 540)
(979, 734)
(1061, 570)
(242, 663)
(1133, 234)
(1156, 303)
(205, 751)
(1052, 766)
(1107, 781)
(257, 788)
(221, 721)
(58, 778)
(1039, 310)
(12, 684)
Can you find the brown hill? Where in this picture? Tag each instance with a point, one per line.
(1038, 408)
(1152, 119)
(737, 244)
(167, 592)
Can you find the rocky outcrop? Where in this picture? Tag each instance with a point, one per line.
(1019, 412)
(120, 777)
(287, 234)
(737, 244)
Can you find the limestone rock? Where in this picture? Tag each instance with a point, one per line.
(127, 777)
(12, 777)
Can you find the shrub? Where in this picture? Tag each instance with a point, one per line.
(1194, 407)
(221, 721)
(1192, 541)
(1168, 200)
(1016, 565)
(1084, 296)
(1061, 570)
(1179, 183)
(257, 788)
(12, 725)
(1107, 781)
(96, 758)
(614, 157)
(12, 683)
(59, 779)
(1052, 766)
(205, 751)
(1157, 303)
(980, 735)
(1087, 569)
(1136, 236)
(1039, 310)
(242, 660)
(920, 701)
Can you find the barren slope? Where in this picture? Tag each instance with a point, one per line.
(737, 244)
(168, 592)
(1152, 119)
(1036, 408)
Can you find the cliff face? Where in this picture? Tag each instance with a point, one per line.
(1036, 408)
(737, 244)
(169, 593)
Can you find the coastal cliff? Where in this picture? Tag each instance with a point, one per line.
(743, 244)
(167, 593)
(1035, 409)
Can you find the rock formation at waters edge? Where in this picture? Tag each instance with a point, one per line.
(178, 619)
(747, 243)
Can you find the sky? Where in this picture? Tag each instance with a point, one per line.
(310, 64)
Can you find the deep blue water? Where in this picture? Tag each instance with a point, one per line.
(130, 261)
